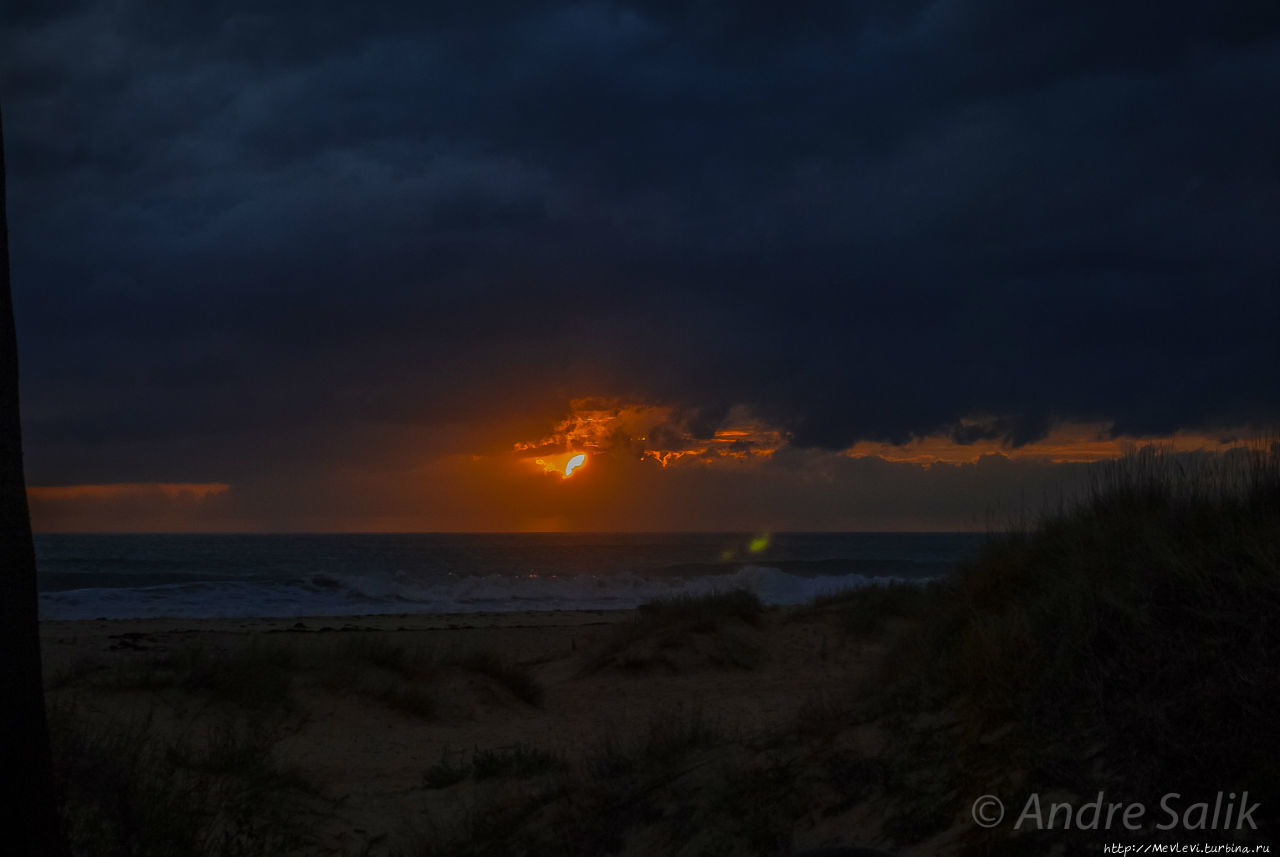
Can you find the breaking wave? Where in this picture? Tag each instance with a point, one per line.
(341, 595)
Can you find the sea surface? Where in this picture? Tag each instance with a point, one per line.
(133, 576)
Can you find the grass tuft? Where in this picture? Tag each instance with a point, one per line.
(127, 787)
(666, 740)
(520, 761)
(516, 678)
(685, 632)
(254, 675)
(701, 612)
(445, 773)
(862, 612)
(257, 674)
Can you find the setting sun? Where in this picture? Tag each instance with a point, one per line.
(564, 464)
(574, 463)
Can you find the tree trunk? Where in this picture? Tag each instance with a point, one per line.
(30, 815)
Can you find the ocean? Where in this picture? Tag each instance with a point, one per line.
(136, 576)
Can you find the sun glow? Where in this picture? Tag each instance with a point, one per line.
(574, 463)
(563, 465)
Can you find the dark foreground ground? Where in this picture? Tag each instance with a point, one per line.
(1121, 650)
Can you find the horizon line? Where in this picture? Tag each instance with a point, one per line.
(746, 532)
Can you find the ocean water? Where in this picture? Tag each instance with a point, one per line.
(132, 576)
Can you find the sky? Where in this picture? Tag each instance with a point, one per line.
(878, 265)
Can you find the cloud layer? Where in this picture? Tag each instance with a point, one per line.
(237, 230)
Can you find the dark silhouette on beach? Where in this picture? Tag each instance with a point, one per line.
(30, 808)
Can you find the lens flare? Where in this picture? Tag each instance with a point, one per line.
(574, 463)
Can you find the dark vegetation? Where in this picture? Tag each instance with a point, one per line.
(518, 761)
(129, 788)
(621, 785)
(191, 771)
(687, 633)
(864, 612)
(703, 612)
(516, 679)
(263, 673)
(1128, 641)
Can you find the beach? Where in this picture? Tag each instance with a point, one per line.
(379, 694)
(547, 698)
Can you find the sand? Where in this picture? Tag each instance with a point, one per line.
(367, 758)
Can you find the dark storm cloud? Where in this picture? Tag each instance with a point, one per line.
(864, 223)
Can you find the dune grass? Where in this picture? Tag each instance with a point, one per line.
(129, 787)
(546, 804)
(864, 611)
(1130, 638)
(520, 761)
(408, 677)
(446, 772)
(399, 675)
(195, 774)
(263, 673)
(687, 632)
(515, 761)
(703, 611)
(516, 678)
(679, 783)
(665, 741)
(256, 674)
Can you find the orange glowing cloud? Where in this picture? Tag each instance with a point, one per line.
(1066, 442)
(648, 432)
(747, 441)
(598, 424)
(661, 434)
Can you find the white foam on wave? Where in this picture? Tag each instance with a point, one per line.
(351, 595)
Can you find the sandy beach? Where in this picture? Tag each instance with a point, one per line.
(378, 713)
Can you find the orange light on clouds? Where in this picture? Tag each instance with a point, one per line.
(593, 424)
(1065, 443)
(661, 434)
(752, 441)
(658, 433)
